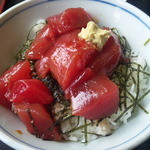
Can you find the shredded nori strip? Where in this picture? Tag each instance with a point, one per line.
(32, 123)
(85, 131)
(146, 42)
(79, 127)
(98, 122)
(21, 54)
(124, 74)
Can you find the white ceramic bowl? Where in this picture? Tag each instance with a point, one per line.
(14, 26)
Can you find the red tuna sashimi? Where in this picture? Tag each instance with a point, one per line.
(41, 43)
(68, 20)
(97, 98)
(19, 71)
(108, 58)
(30, 91)
(42, 66)
(3, 90)
(67, 58)
(57, 25)
(37, 120)
(84, 76)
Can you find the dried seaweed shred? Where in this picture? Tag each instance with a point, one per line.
(124, 73)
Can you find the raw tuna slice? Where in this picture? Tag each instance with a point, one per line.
(57, 25)
(97, 98)
(67, 58)
(37, 120)
(30, 91)
(108, 58)
(19, 71)
(68, 20)
(84, 76)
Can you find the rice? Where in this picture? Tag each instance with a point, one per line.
(104, 128)
(74, 129)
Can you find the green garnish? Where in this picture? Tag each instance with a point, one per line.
(125, 74)
(32, 123)
(79, 127)
(98, 122)
(146, 42)
(78, 121)
(124, 112)
(85, 130)
(21, 54)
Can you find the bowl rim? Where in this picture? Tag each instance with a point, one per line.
(12, 140)
(142, 15)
